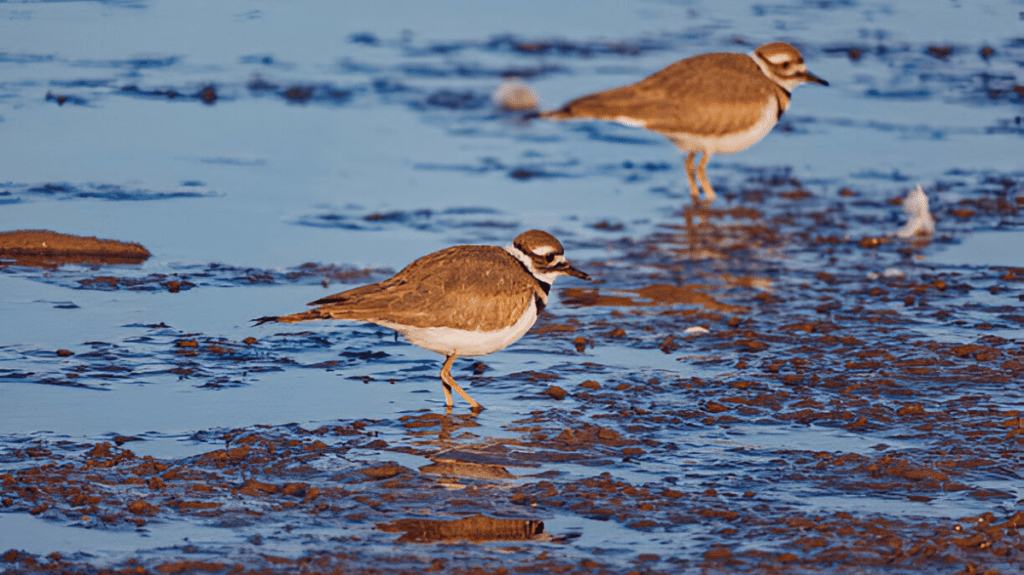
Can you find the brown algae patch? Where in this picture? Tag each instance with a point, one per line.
(43, 248)
(648, 296)
(476, 529)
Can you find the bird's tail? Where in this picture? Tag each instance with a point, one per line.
(293, 318)
(562, 114)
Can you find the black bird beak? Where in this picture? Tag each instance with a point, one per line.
(571, 271)
(812, 78)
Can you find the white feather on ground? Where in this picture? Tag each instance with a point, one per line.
(921, 222)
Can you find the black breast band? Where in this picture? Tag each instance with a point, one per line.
(782, 108)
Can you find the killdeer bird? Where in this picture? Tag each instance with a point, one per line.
(460, 301)
(718, 103)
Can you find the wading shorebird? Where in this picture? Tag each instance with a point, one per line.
(718, 103)
(460, 301)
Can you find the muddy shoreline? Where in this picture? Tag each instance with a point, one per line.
(44, 248)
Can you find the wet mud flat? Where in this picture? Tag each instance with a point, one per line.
(891, 390)
(774, 384)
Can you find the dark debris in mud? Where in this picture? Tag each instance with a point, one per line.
(977, 75)
(65, 191)
(488, 221)
(204, 361)
(90, 275)
(300, 93)
(528, 169)
(206, 94)
(548, 46)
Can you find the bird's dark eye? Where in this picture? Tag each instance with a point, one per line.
(785, 65)
(550, 258)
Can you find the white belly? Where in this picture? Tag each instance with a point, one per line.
(730, 143)
(448, 341)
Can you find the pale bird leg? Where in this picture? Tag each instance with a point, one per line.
(445, 376)
(449, 383)
(705, 183)
(694, 191)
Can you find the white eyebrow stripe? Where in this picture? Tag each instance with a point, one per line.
(777, 58)
(544, 250)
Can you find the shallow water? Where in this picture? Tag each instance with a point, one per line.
(855, 405)
(985, 249)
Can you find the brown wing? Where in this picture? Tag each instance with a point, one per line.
(682, 98)
(464, 287)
